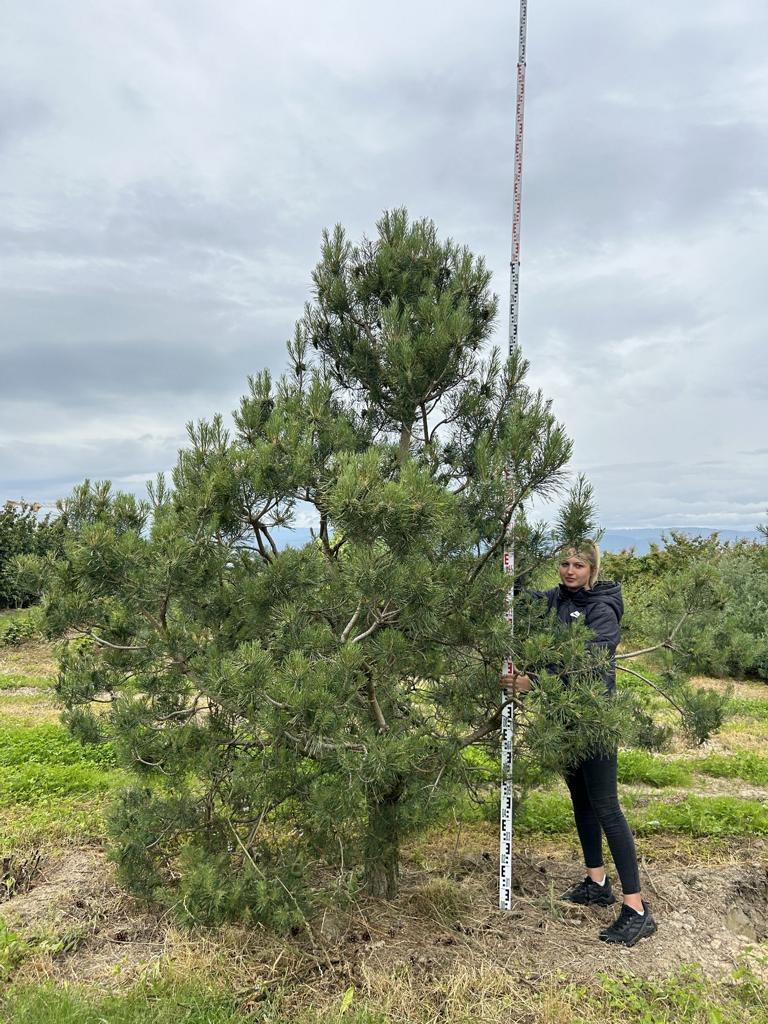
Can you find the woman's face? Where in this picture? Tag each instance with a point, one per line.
(574, 571)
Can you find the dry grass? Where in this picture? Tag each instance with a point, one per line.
(744, 688)
(28, 708)
(34, 659)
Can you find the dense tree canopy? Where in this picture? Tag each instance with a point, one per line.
(291, 713)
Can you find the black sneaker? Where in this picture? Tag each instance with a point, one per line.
(629, 927)
(589, 893)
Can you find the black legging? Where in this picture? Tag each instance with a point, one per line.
(592, 784)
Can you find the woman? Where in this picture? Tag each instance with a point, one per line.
(592, 782)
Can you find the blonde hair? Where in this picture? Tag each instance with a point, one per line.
(590, 552)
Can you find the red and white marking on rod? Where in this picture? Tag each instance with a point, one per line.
(508, 716)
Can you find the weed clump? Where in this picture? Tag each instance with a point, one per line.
(442, 900)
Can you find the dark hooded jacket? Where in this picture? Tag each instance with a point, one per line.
(601, 609)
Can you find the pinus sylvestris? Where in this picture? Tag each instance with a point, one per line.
(290, 714)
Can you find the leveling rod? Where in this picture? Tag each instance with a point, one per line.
(508, 715)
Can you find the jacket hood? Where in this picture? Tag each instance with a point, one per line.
(603, 592)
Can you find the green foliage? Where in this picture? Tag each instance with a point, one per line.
(552, 814)
(749, 707)
(33, 784)
(703, 711)
(14, 681)
(280, 710)
(736, 643)
(63, 819)
(732, 578)
(687, 997)
(22, 533)
(13, 951)
(49, 745)
(545, 813)
(42, 764)
(576, 520)
(276, 898)
(20, 629)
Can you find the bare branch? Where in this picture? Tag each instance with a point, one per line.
(114, 647)
(664, 643)
(352, 622)
(378, 714)
(383, 619)
(645, 679)
(487, 727)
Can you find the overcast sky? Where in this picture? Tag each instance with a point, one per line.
(166, 169)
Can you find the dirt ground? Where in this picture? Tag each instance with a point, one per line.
(90, 931)
(710, 898)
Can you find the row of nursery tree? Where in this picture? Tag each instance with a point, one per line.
(290, 716)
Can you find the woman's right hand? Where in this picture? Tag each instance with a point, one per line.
(518, 682)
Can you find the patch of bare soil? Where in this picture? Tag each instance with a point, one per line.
(707, 915)
(93, 929)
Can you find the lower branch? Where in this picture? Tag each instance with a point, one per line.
(653, 685)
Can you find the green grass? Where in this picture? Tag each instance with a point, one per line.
(43, 784)
(49, 745)
(743, 765)
(8, 614)
(551, 814)
(704, 816)
(685, 997)
(639, 766)
(50, 822)
(43, 768)
(191, 1003)
(749, 707)
(545, 813)
(11, 682)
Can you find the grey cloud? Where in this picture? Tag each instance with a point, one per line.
(20, 115)
(164, 202)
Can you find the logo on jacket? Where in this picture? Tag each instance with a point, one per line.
(575, 615)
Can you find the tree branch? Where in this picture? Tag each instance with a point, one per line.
(378, 714)
(645, 679)
(114, 647)
(664, 643)
(424, 422)
(346, 632)
(487, 727)
(381, 620)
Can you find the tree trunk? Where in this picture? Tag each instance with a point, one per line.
(404, 448)
(382, 845)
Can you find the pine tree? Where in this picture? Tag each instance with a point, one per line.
(288, 710)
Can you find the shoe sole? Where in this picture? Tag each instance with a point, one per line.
(650, 929)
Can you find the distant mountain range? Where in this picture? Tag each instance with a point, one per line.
(617, 539)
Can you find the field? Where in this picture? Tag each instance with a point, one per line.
(75, 949)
